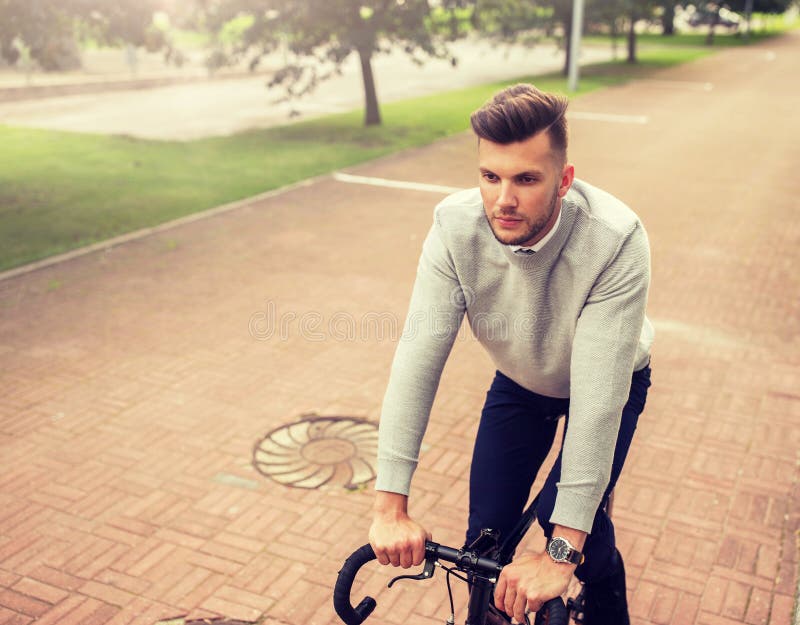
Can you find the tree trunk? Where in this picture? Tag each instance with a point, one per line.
(668, 19)
(614, 34)
(632, 39)
(712, 28)
(372, 114)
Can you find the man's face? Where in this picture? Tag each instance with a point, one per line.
(522, 185)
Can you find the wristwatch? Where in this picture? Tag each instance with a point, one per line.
(561, 550)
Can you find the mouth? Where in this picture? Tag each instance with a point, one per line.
(507, 222)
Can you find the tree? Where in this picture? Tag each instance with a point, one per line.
(609, 14)
(715, 13)
(50, 29)
(523, 21)
(633, 17)
(319, 35)
(629, 12)
(668, 18)
(506, 20)
(518, 17)
(775, 7)
(562, 12)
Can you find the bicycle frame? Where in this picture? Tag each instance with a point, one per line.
(479, 597)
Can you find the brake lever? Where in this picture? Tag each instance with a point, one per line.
(427, 572)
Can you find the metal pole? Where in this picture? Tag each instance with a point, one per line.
(575, 44)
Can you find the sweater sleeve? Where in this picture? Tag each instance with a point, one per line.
(435, 314)
(601, 366)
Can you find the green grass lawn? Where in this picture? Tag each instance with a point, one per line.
(764, 26)
(685, 40)
(60, 191)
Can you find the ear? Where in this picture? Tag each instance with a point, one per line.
(567, 176)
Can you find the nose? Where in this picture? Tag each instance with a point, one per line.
(507, 197)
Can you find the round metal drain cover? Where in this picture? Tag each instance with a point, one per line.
(318, 452)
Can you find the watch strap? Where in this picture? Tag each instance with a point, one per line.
(573, 556)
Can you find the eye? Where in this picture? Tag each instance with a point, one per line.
(527, 179)
(490, 177)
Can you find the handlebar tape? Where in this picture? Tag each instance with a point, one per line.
(344, 584)
(553, 612)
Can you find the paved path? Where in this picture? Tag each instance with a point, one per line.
(195, 109)
(134, 386)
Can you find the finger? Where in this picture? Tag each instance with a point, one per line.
(418, 553)
(500, 592)
(406, 556)
(394, 556)
(510, 598)
(520, 603)
(419, 549)
(380, 554)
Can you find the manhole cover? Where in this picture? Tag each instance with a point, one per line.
(319, 452)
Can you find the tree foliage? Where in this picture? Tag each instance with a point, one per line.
(710, 10)
(507, 19)
(524, 20)
(317, 36)
(715, 13)
(50, 29)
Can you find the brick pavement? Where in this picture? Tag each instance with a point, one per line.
(132, 390)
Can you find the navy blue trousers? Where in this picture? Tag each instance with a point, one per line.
(516, 432)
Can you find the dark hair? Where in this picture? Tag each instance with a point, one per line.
(519, 112)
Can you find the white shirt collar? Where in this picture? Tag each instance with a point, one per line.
(543, 241)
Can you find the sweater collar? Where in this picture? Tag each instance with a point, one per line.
(541, 242)
(551, 244)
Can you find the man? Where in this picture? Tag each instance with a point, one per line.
(561, 270)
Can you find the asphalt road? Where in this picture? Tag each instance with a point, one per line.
(222, 107)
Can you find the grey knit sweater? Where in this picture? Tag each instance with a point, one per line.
(567, 321)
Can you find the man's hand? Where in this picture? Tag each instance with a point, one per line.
(395, 537)
(530, 581)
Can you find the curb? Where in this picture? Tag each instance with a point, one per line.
(145, 232)
(107, 244)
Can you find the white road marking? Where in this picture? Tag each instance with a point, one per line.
(394, 184)
(771, 56)
(609, 117)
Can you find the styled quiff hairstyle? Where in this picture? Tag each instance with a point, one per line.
(519, 112)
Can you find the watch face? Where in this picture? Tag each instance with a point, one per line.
(559, 549)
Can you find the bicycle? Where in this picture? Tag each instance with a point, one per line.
(479, 564)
